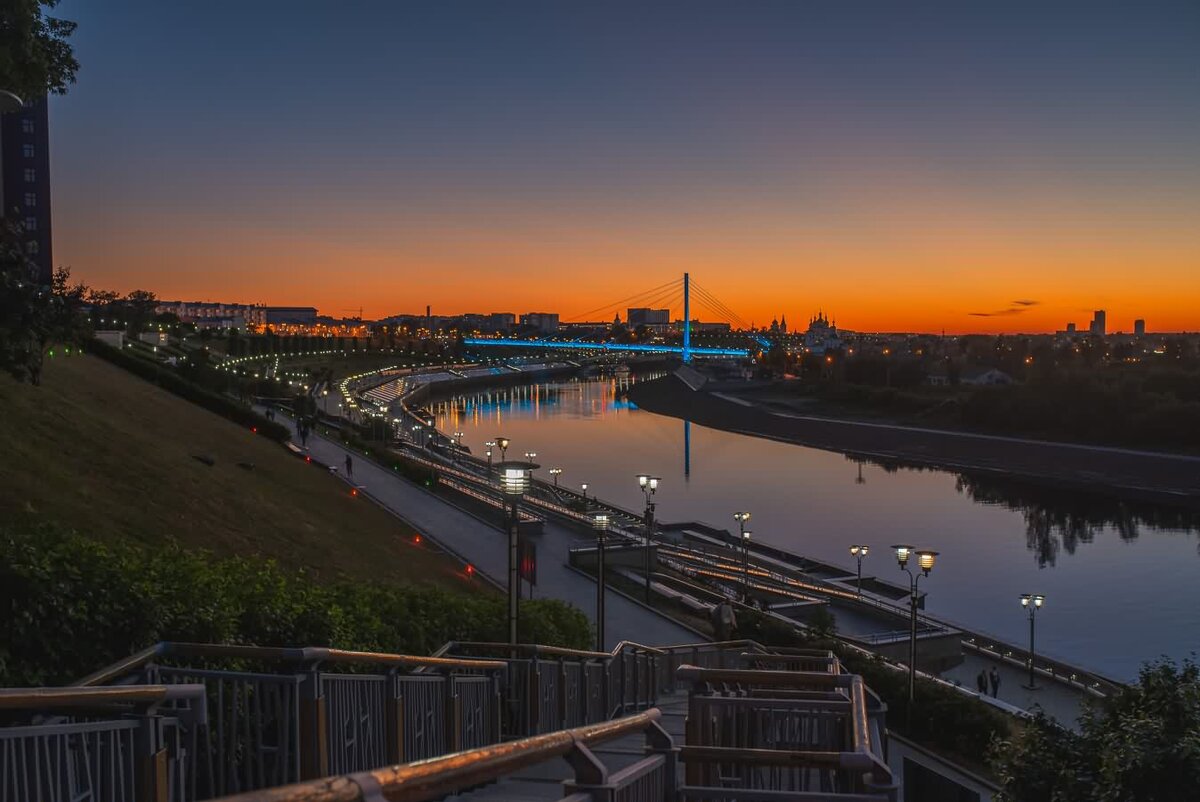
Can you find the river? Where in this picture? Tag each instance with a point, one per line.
(1122, 583)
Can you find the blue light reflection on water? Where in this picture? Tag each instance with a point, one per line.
(1117, 593)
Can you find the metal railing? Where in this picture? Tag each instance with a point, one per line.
(652, 778)
(754, 732)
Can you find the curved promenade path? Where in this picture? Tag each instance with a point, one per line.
(484, 543)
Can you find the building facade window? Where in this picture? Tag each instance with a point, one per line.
(27, 151)
(32, 247)
(26, 126)
(30, 175)
(31, 224)
(31, 199)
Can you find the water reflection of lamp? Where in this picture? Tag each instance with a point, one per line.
(925, 561)
(1032, 602)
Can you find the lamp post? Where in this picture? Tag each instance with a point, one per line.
(503, 443)
(925, 561)
(649, 486)
(555, 472)
(600, 524)
(529, 455)
(744, 537)
(583, 487)
(514, 480)
(858, 552)
(490, 444)
(1032, 602)
(458, 438)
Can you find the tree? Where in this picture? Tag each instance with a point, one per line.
(1140, 745)
(140, 306)
(35, 58)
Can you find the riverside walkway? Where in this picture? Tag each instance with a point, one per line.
(483, 543)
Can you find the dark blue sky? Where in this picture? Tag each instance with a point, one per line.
(357, 153)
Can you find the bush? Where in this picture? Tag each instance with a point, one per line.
(172, 382)
(72, 605)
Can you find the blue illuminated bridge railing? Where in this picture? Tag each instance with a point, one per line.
(586, 346)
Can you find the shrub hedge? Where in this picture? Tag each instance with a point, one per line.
(72, 604)
(172, 382)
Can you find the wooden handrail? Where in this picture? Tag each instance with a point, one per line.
(306, 654)
(437, 777)
(791, 758)
(554, 651)
(70, 697)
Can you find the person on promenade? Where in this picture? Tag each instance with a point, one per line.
(724, 620)
(995, 678)
(981, 682)
(349, 467)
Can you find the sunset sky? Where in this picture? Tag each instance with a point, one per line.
(906, 166)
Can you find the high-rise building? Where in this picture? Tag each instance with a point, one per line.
(25, 179)
(1139, 327)
(1099, 323)
(1070, 328)
(544, 322)
(643, 316)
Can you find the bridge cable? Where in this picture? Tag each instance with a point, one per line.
(631, 298)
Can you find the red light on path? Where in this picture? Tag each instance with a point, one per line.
(416, 538)
(354, 492)
(254, 429)
(308, 459)
(470, 569)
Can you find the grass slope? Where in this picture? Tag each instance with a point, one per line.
(110, 455)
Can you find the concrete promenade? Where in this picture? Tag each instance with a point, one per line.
(485, 545)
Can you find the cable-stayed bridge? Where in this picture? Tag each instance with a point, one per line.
(677, 294)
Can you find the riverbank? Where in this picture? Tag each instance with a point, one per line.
(1135, 475)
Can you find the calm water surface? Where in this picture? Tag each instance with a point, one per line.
(1122, 584)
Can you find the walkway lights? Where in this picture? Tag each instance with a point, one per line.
(490, 444)
(600, 524)
(583, 488)
(858, 552)
(744, 537)
(503, 443)
(514, 481)
(555, 472)
(1032, 602)
(649, 486)
(925, 561)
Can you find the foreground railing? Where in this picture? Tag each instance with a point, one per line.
(651, 778)
(755, 732)
(112, 744)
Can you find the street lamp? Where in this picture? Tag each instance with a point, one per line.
(514, 481)
(859, 552)
(600, 524)
(1033, 602)
(503, 443)
(583, 487)
(555, 472)
(649, 486)
(490, 444)
(529, 455)
(925, 561)
(744, 537)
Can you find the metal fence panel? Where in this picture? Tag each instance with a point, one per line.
(70, 761)
(424, 704)
(356, 721)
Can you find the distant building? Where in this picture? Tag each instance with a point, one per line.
(642, 316)
(1070, 328)
(500, 321)
(544, 322)
(25, 182)
(821, 335)
(1139, 328)
(1099, 323)
(296, 315)
(214, 315)
(698, 326)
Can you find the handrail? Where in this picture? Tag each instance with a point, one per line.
(559, 651)
(770, 679)
(436, 777)
(305, 654)
(70, 697)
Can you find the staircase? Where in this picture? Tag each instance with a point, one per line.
(546, 781)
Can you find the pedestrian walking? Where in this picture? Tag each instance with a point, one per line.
(994, 675)
(349, 467)
(724, 621)
(981, 682)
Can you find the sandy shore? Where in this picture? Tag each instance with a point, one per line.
(1141, 475)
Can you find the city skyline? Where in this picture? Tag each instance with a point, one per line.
(972, 170)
